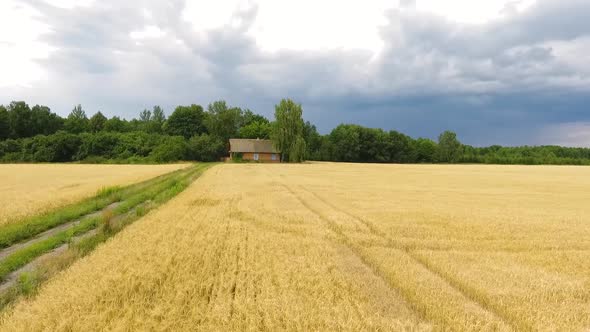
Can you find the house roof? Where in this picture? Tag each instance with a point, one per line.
(251, 145)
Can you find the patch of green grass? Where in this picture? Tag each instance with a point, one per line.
(86, 245)
(27, 283)
(108, 191)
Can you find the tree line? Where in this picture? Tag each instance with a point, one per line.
(35, 134)
(354, 143)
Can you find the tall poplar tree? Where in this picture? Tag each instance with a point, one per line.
(287, 131)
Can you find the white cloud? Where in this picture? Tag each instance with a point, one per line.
(207, 15)
(473, 12)
(150, 31)
(319, 25)
(70, 4)
(147, 14)
(20, 46)
(333, 24)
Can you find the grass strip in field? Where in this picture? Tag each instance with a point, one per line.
(22, 230)
(156, 194)
(55, 230)
(15, 232)
(26, 255)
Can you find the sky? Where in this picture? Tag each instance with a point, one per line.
(508, 72)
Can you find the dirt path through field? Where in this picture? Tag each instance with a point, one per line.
(47, 234)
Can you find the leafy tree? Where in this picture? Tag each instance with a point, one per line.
(97, 122)
(297, 150)
(173, 149)
(158, 114)
(186, 121)
(287, 129)
(4, 123)
(115, 124)
(66, 146)
(77, 122)
(157, 120)
(326, 149)
(59, 147)
(375, 145)
(425, 150)
(449, 147)
(256, 129)
(137, 144)
(20, 117)
(400, 148)
(250, 117)
(345, 143)
(35, 149)
(206, 148)
(146, 122)
(102, 144)
(44, 122)
(136, 125)
(10, 150)
(145, 116)
(223, 121)
(150, 121)
(313, 141)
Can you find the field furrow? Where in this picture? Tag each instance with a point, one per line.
(464, 309)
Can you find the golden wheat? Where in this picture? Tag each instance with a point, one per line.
(30, 189)
(340, 247)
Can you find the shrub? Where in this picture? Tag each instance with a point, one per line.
(173, 149)
(101, 144)
(65, 145)
(238, 157)
(206, 148)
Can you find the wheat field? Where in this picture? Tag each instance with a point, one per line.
(29, 189)
(342, 247)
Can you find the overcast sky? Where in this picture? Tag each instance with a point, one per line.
(495, 71)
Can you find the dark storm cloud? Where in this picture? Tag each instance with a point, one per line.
(512, 81)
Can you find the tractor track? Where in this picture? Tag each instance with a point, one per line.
(453, 284)
(48, 233)
(12, 278)
(410, 252)
(334, 228)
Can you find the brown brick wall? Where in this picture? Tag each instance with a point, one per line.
(266, 157)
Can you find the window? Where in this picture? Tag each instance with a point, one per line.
(256, 156)
(273, 156)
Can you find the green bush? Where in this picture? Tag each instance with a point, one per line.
(174, 149)
(237, 157)
(206, 148)
(101, 144)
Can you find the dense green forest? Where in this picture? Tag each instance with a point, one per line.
(35, 134)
